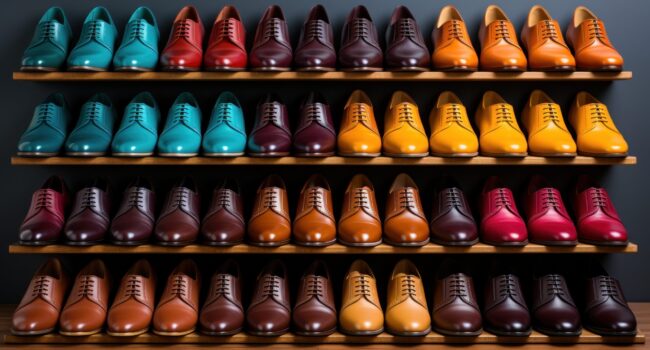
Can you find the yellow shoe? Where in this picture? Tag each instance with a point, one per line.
(596, 133)
(404, 134)
(451, 132)
(406, 310)
(548, 135)
(500, 135)
(359, 135)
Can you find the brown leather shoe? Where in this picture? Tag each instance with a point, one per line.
(500, 50)
(90, 216)
(269, 313)
(84, 313)
(453, 49)
(359, 225)
(405, 47)
(132, 308)
(223, 313)
(406, 307)
(224, 224)
(314, 224)
(361, 312)
(178, 309)
(405, 223)
(314, 313)
(38, 311)
(178, 223)
(360, 49)
(455, 307)
(270, 223)
(505, 312)
(271, 49)
(542, 37)
(587, 36)
(133, 224)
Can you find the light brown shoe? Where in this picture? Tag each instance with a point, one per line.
(270, 222)
(405, 223)
(591, 46)
(499, 132)
(133, 306)
(500, 50)
(359, 225)
(314, 224)
(178, 309)
(406, 308)
(542, 37)
(453, 50)
(404, 134)
(361, 312)
(358, 135)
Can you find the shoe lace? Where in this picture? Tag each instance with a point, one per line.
(405, 113)
(598, 113)
(458, 286)
(94, 30)
(406, 198)
(41, 287)
(181, 113)
(504, 114)
(550, 199)
(315, 30)
(271, 113)
(315, 198)
(315, 286)
(549, 30)
(554, 285)
(452, 197)
(136, 114)
(93, 111)
(222, 285)
(48, 30)
(313, 113)
(408, 286)
(89, 199)
(406, 28)
(455, 29)
(226, 30)
(360, 28)
(136, 198)
(182, 29)
(224, 113)
(595, 29)
(361, 199)
(608, 286)
(223, 199)
(502, 198)
(272, 29)
(361, 286)
(87, 286)
(359, 112)
(133, 287)
(550, 113)
(453, 114)
(271, 199)
(271, 286)
(181, 197)
(599, 197)
(508, 286)
(45, 199)
(137, 29)
(179, 286)
(45, 113)
(502, 30)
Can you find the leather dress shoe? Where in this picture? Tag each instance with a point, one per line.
(270, 223)
(606, 312)
(553, 310)
(499, 135)
(93, 133)
(548, 135)
(596, 133)
(406, 307)
(48, 128)
(178, 309)
(500, 50)
(455, 306)
(85, 310)
(224, 224)
(133, 305)
(94, 50)
(271, 49)
(505, 312)
(179, 220)
(314, 313)
(270, 136)
(269, 313)
(404, 134)
(452, 134)
(542, 37)
(358, 135)
(315, 51)
(133, 224)
(453, 49)
(360, 49)
(359, 224)
(314, 223)
(227, 43)
(48, 48)
(90, 215)
(225, 135)
(184, 49)
(222, 312)
(46, 215)
(452, 222)
(405, 223)
(405, 47)
(597, 220)
(549, 222)
(181, 136)
(360, 312)
(138, 132)
(315, 135)
(138, 51)
(501, 224)
(591, 45)
(38, 311)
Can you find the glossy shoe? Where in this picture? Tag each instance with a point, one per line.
(227, 43)
(49, 46)
(92, 135)
(505, 312)
(225, 135)
(315, 135)
(359, 224)
(360, 49)
(404, 134)
(96, 45)
(47, 130)
(270, 222)
(314, 313)
(549, 222)
(46, 215)
(361, 312)
(223, 313)
(453, 50)
(542, 37)
(132, 309)
(271, 49)
(177, 312)
(133, 224)
(593, 50)
(90, 215)
(181, 136)
(606, 311)
(500, 135)
(184, 49)
(553, 310)
(315, 51)
(405, 47)
(179, 220)
(271, 136)
(455, 305)
(138, 51)
(548, 135)
(314, 224)
(500, 50)
(269, 313)
(358, 135)
(138, 132)
(452, 134)
(597, 220)
(405, 223)
(452, 222)
(224, 225)
(501, 224)
(85, 310)
(596, 133)
(406, 307)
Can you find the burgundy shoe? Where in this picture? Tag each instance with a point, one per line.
(501, 224)
(549, 222)
(272, 48)
(598, 221)
(223, 312)
(270, 136)
(224, 223)
(360, 50)
(452, 223)
(227, 43)
(178, 223)
(46, 215)
(315, 51)
(315, 135)
(405, 49)
(134, 221)
(184, 50)
(90, 216)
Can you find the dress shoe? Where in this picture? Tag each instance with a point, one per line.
(47, 131)
(314, 313)
(138, 132)
(133, 224)
(606, 312)
(361, 312)
(405, 223)
(452, 134)
(269, 313)
(224, 224)
(222, 312)
(184, 49)
(500, 135)
(93, 133)
(360, 50)
(549, 222)
(138, 51)
(452, 223)
(359, 135)
(359, 225)
(548, 135)
(181, 136)
(94, 50)
(90, 215)
(178, 309)
(406, 309)
(270, 223)
(225, 135)
(315, 135)
(271, 49)
(405, 47)
(456, 311)
(314, 224)
(596, 133)
(504, 311)
(453, 50)
(179, 220)
(315, 51)
(84, 313)
(46, 215)
(227, 43)
(542, 37)
(500, 50)
(593, 50)
(38, 311)
(597, 219)
(49, 46)
(270, 136)
(133, 306)
(404, 134)
(553, 310)
(501, 224)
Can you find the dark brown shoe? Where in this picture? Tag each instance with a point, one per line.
(133, 306)
(452, 223)
(505, 312)
(315, 135)
(455, 306)
(178, 223)
(271, 48)
(88, 222)
(315, 51)
(133, 224)
(224, 222)
(178, 309)
(405, 49)
(360, 50)
(553, 310)
(314, 313)
(271, 134)
(605, 308)
(269, 313)
(223, 313)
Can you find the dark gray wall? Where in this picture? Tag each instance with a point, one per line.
(628, 102)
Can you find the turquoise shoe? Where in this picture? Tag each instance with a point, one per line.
(139, 49)
(94, 50)
(182, 134)
(226, 133)
(49, 46)
(46, 132)
(138, 131)
(92, 135)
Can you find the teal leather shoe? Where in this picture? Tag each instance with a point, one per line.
(92, 135)
(46, 132)
(138, 131)
(182, 134)
(49, 46)
(94, 50)
(139, 49)
(226, 133)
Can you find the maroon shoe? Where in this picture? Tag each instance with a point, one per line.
(46, 215)
(90, 216)
(549, 222)
(315, 51)
(501, 224)
(227, 43)
(315, 135)
(184, 50)
(271, 48)
(598, 221)
(134, 221)
(405, 49)
(224, 223)
(452, 223)
(360, 50)
(178, 223)
(270, 136)
(223, 312)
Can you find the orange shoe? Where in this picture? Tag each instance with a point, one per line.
(542, 37)
(500, 50)
(404, 134)
(451, 132)
(591, 45)
(453, 46)
(548, 135)
(359, 135)
(595, 130)
(500, 135)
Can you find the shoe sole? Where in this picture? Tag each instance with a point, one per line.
(38, 69)
(224, 69)
(83, 244)
(454, 155)
(604, 244)
(30, 333)
(134, 69)
(410, 334)
(133, 155)
(606, 333)
(175, 244)
(506, 244)
(408, 69)
(37, 154)
(509, 334)
(85, 154)
(178, 155)
(79, 334)
(269, 155)
(553, 333)
(559, 69)
(224, 155)
(603, 155)
(505, 69)
(37, 243)
(316, 69)
(362, 333)
(401, 244)
(360, 155)
(553, 155)
(454, 244)
(315, 155)
(180, 69)
(220, 334)
(222, 244)
(269, 244)
(457, 334)
(173, 334)
(87, 69)
(315, 334)
(359, 245)
(602, 69)
(457, 69)
(504, 155)
(401, 155)
(555, 243)
(362, 69)
(315, 244)
(268, 334)
(271, 69)
(127, 334)
(129, 244)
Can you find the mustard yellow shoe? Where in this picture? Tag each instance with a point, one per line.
(548, 135)
(359, 135)
(451, 132)
(404, 134)
(499, 135)
(595, 130)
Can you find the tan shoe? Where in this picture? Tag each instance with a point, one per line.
(177, 312)
(548, 135)
(359, 135)
(406, 311)
(84, 313)
(451, 132)
(593, 50)
(453, 50)
(595, 130)
(404, 134)
(361, 312)
(359, 224)
(542, 37)
(405, 223)
(314, 224)
(270, 222)
(500, 135)
(500, 50)
(133, 306)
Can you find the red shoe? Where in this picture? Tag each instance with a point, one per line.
(184, 50)
(598, 221)
(549, 222)
(44, 220)
(501, 224)
(227, 44)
